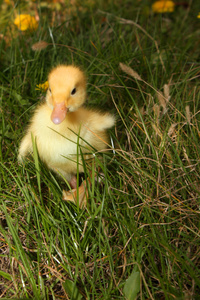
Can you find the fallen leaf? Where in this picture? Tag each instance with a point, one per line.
(132, 286)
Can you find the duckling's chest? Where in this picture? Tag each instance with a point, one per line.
(56, 147)
(55, 143)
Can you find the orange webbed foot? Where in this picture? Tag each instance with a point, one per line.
(79, 196)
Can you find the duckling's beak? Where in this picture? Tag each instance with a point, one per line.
(59, 113)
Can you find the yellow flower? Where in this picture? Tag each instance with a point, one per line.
(198, 16)
(42, 86)
(163, 6)
(26, 22)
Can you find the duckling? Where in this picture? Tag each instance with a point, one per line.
(62, 121)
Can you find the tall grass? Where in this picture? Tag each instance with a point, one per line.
(142, 212)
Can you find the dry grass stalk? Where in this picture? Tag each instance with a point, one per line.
(188, 114)
(41, 45)
(128, 70)
(171, 131)
(166, 92)
(162, 101)
(186, 156)
(164, 98)
(157, 130)
(156, 109)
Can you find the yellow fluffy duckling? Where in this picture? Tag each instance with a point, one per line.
(59, 123)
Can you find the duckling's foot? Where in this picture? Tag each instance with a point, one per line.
(73, 182)
(77, 196)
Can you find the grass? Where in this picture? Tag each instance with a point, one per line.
(143, 217)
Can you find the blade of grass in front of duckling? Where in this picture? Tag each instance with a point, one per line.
(77, 159)
(36, 160)
(68, 138)
(92, 177)
(20, 251)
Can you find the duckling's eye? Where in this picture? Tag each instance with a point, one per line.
(49, 90)
(73, 91)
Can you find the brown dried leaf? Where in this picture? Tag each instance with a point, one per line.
(128, 70)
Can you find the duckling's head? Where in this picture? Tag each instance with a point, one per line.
(67, 91)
